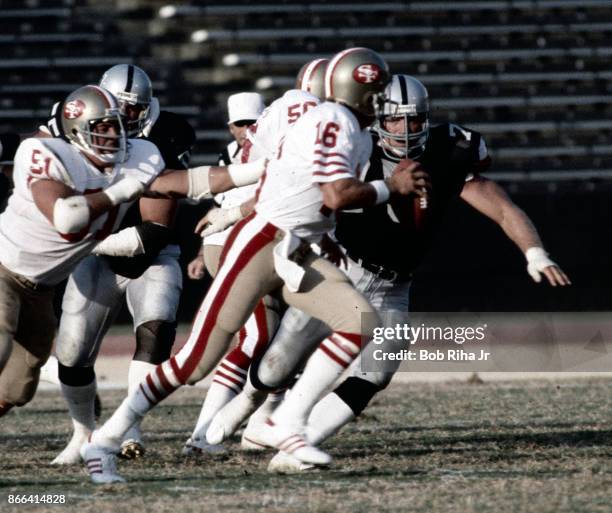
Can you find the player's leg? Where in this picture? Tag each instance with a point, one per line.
(220, 391)
(368, 378)
(34, 329)
(230, 376)
(152, 300)
(327, 295)
(91, 301)
(246, 275)
(10, 304)
(296, 338)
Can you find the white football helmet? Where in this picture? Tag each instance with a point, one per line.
(357, 78)
(81, 111)
(407, 98)
(133, 88)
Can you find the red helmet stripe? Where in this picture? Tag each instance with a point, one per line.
(308, 74)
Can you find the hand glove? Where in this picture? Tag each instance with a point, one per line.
(220, 218)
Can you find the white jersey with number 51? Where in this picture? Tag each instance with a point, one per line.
(29, 244)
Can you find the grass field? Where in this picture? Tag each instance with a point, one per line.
(536, 446)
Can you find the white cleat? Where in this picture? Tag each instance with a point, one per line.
(229, 418)
(283, 463)
(71, 454)
(250, 437)
(288, 439)
(101, 464)
(198, 446)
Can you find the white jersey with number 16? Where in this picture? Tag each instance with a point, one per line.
(325, 144)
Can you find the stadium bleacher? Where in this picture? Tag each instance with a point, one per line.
(533, 75)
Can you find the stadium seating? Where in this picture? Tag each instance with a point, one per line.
(532, 75)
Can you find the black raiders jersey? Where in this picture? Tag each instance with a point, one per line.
(395, 235)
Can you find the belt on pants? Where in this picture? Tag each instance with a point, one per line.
(381, 271)
(22, 280)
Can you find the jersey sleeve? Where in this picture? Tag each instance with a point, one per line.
(145, 162)
(472, 145)
(334, 156)
(35, 161)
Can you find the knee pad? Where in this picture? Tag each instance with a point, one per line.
(154, 341)
(357, 393)
(75, 376)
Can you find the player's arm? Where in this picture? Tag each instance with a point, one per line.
(408, 178)
(202, 182)
(147, 238)
(71, 212)
(491, 200)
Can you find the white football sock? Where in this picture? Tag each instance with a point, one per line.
(217, 397)
(80, 401)
(327, 418)
(267, 408)
(137, 373)
(157, 385)
(322, 370)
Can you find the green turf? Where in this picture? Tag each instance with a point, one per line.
(519, 447)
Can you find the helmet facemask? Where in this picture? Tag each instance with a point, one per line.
(135, 113)
(91, 140)
(407, 103)
(405, 144)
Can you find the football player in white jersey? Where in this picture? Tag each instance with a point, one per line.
(261, 139)
(68, 196)
(151, 280)
(313, 173)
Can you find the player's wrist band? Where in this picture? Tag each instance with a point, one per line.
(248, 173)
(535, 253)
(382, 191)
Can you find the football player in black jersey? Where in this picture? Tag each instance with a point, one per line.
(139, 262)
(380, 268)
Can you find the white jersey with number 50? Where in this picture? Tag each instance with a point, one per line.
(29, 244)
(325, 144)
(262, 141)
(263, 137)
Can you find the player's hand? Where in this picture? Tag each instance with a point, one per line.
(217, 219)
(196, 268)
(538, 263)
(333, 252)
(409, 178)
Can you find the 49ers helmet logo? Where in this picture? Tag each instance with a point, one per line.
(73, 109)
(366, 73)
